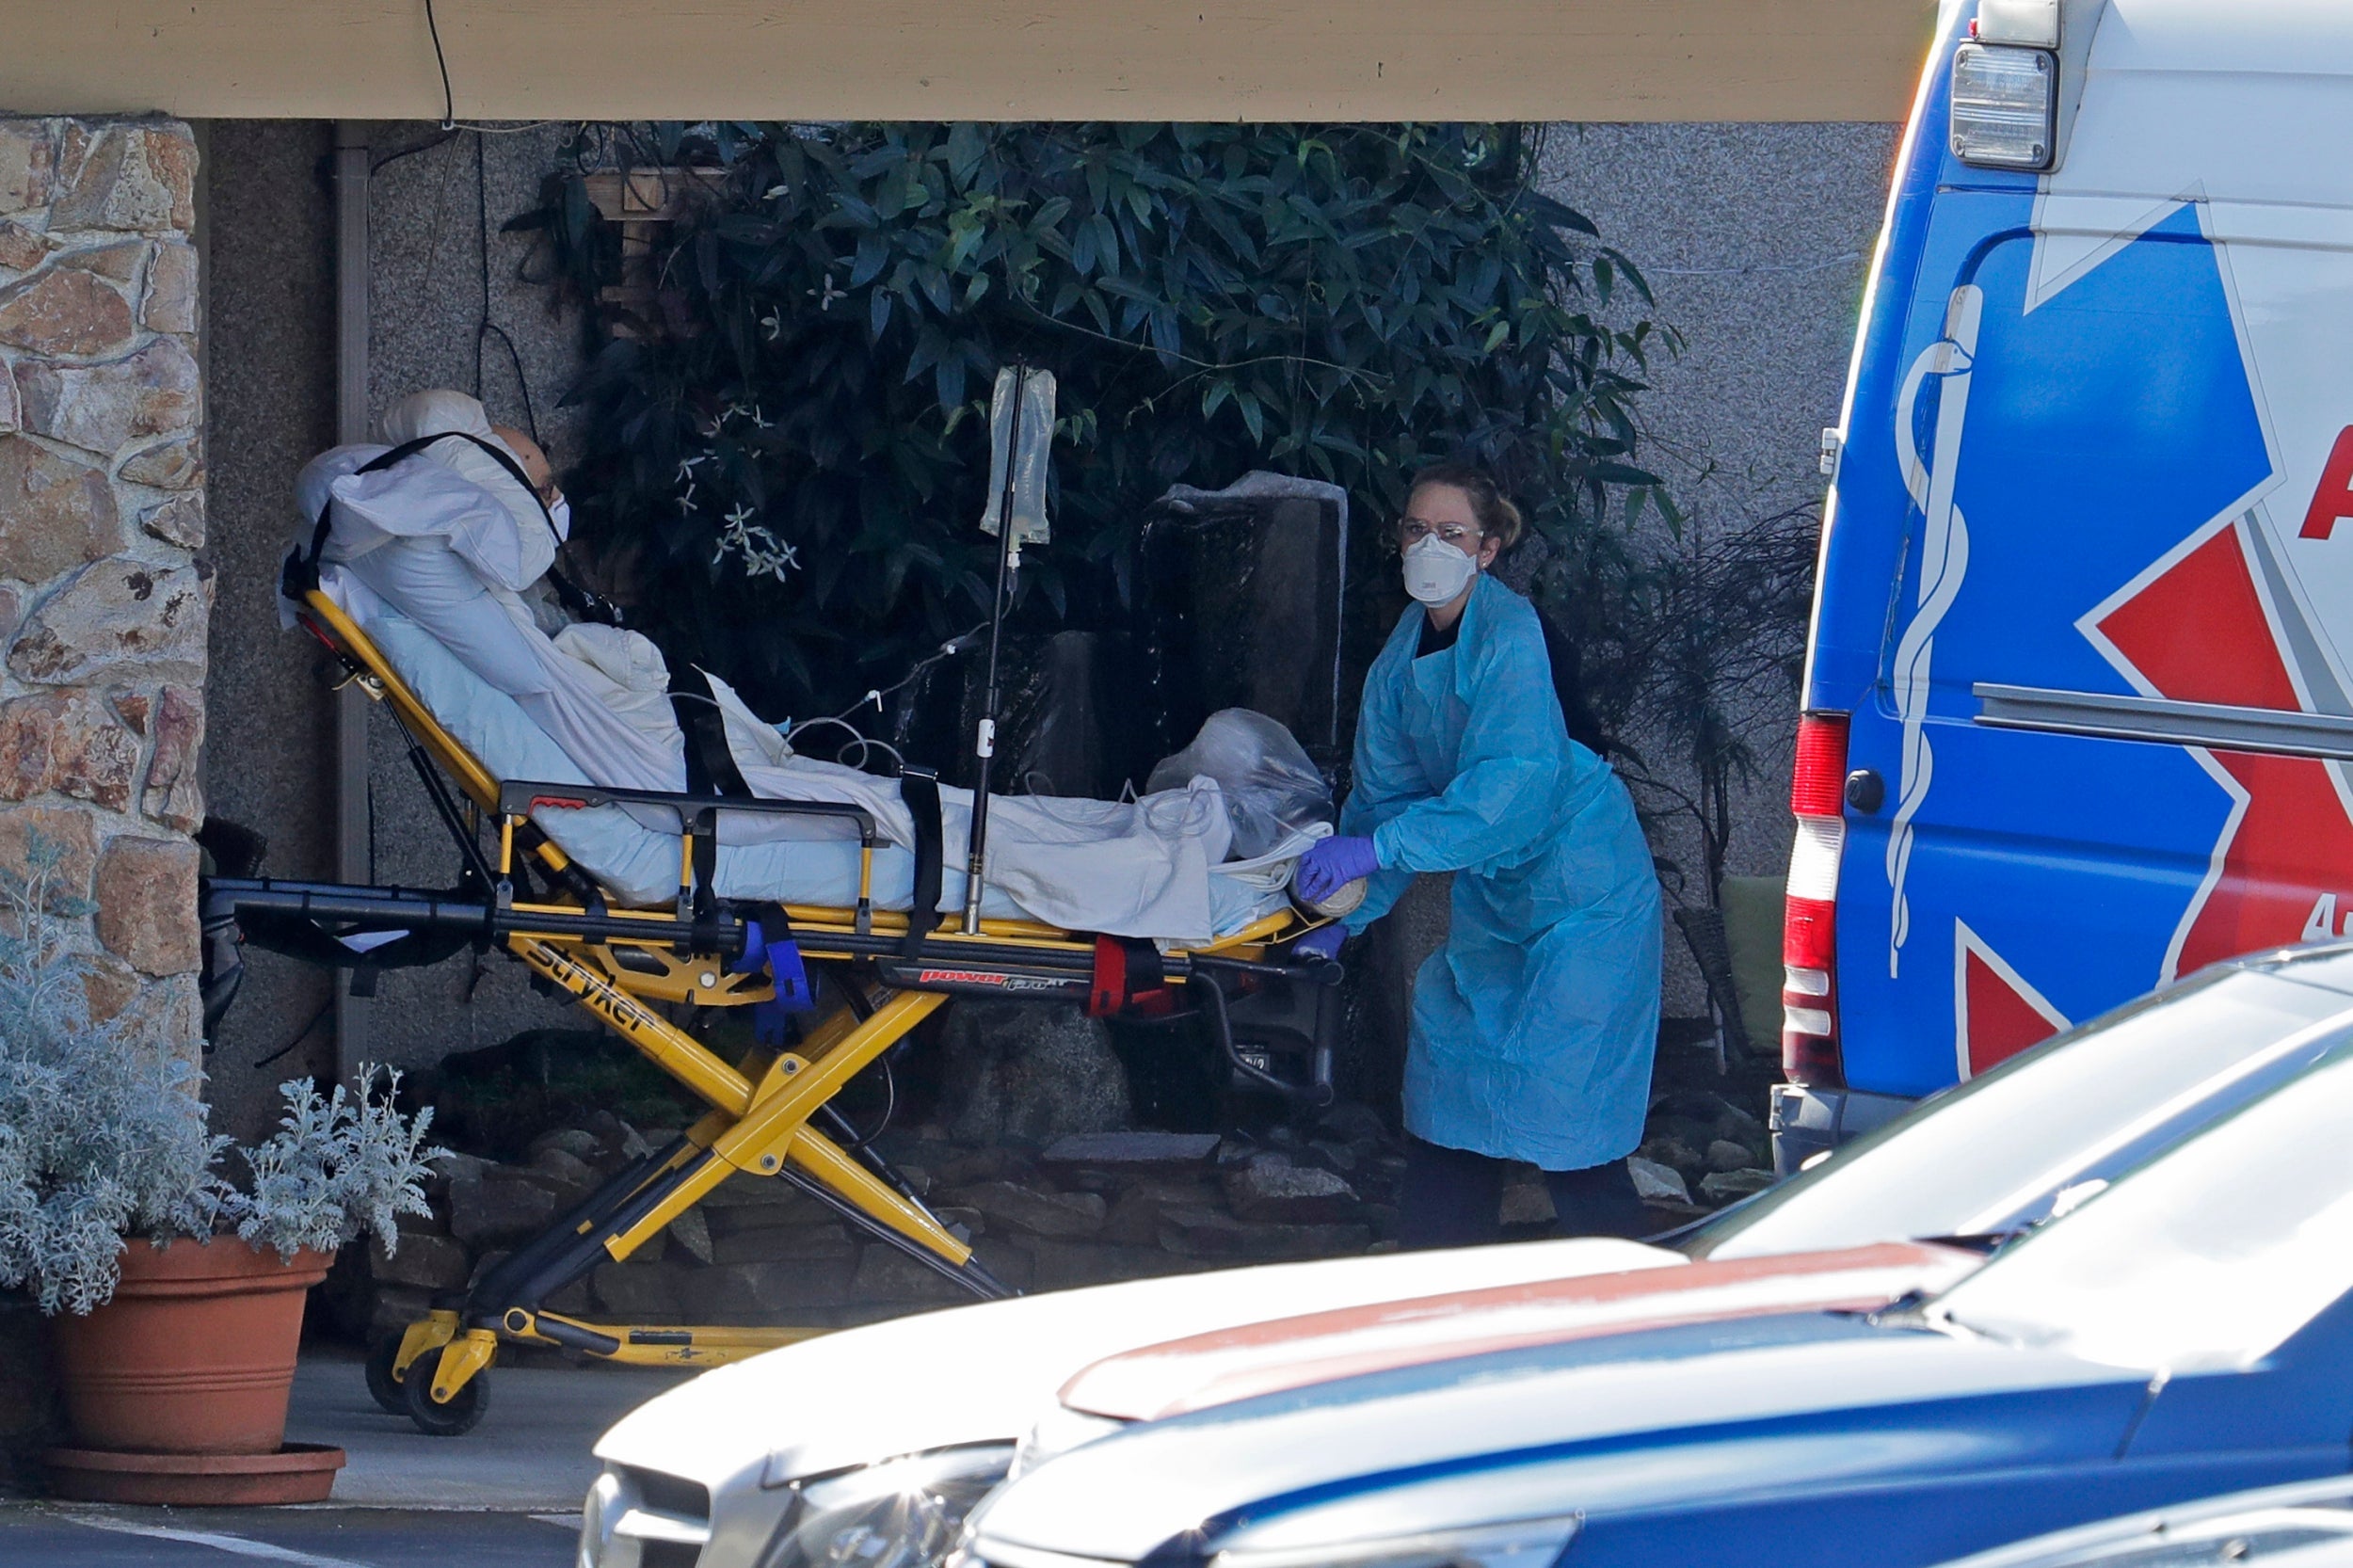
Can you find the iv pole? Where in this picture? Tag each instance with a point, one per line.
(984, 736)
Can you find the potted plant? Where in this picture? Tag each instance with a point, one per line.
(176, 1295)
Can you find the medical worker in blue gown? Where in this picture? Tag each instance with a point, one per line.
(1533, 1027)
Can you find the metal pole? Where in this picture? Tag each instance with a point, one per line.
(985, 738)
(351, 424)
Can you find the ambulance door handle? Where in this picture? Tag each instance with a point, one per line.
(1867, 792)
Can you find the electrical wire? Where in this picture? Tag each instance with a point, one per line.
(484, 128)
(426, 146)
(449, 105)
(891, 1106)
(301, 1034)
(488, 328)
(450, 123)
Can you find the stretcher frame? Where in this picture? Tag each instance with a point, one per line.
(770, 1115)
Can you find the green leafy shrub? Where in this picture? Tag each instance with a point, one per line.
(784, 468)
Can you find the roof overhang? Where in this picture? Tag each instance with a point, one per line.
(982, 59)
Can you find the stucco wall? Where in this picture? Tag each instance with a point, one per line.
(270, 281)
(1755, 240)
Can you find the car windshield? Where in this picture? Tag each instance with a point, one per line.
(2209, 1256)
(1989, 1158)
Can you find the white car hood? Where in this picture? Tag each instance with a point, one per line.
(985, 1374)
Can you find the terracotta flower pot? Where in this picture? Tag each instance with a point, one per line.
(194, 1355)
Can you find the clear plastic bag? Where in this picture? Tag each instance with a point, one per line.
(1271, 790)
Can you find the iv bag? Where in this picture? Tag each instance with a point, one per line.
(1037, 400)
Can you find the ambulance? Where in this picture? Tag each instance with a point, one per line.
(2078, 702)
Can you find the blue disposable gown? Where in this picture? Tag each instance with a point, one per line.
(1534, 1025)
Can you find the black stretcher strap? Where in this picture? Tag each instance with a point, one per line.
(710, 773)
(710, 768)
(302, 572)
(705, 856)
(919, 789)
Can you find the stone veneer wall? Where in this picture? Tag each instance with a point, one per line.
(103, 602)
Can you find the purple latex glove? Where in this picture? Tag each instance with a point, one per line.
(1322, 942)
(1332, 864)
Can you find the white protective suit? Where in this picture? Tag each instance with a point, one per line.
(451, 540)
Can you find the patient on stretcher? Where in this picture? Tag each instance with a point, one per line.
(439, 556)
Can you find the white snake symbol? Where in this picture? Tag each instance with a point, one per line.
(1944, 562)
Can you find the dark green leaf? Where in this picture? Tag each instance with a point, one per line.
(1106, 242)
(965, 150)
(873, 250)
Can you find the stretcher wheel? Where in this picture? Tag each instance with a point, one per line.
(453, 1419)
(384, 1385)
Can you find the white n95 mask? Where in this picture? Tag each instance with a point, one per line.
(560, 518)
(1436, 572)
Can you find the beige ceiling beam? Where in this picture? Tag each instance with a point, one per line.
(978, 59)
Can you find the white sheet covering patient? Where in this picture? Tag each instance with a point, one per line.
(449, 538)
(432, 556)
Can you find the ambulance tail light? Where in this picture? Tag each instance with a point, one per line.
(1809, 998)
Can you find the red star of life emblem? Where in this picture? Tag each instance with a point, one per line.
(1996, 1013)
(2197, 630)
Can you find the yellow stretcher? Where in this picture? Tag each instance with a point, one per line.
(770, 1115)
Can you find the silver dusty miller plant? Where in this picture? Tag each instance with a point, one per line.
(103, 1135)
(98, 1135)
(339, 1166)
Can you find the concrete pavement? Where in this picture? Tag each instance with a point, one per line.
(504, 1496)
(58, 1535)
(529, 1454)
